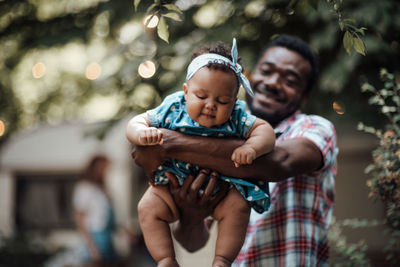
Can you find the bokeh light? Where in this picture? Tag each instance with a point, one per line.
(2, 128)
(93, 71)
(38, 70)
(338, 107)
(153, 21)
(147, 69)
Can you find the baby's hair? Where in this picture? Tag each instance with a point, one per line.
(219, 48)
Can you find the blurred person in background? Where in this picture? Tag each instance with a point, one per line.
(94, 215)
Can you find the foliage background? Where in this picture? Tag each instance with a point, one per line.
(67, 36)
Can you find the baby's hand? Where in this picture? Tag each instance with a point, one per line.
(150, 136)
(243, 155)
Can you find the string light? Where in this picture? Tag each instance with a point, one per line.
(93, 71)
(2, 128)
(38, 70)
(147, 69)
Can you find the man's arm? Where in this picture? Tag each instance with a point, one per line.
(289, 157)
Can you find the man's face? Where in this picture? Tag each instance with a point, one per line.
(279, 81)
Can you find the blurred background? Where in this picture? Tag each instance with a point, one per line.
(72, 72)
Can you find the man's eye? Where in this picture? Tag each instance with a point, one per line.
(290, 82)
(265, 72)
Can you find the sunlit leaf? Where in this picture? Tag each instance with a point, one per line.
(396, 99)
(367, 87)
(347, 41)
(173, 16)
(341, 25)
(350, 20)
(162, 30)
(136, 3)
(172, 7)
(359, 46)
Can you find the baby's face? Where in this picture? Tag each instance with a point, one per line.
(210, 96)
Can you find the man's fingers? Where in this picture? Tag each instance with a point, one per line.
(185, 186)
(198, 183)
(224, 188)
(172, 180)
(210, 186)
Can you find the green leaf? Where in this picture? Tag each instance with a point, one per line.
(151, 7)
(369, 168)
(136, 3)
(347, 41)
(341, 25)
(173, 16)
(162, 29)
(359, 45)
(396, 118)
(367, 87)
(396, 99)
(350, 20)
(172, 7)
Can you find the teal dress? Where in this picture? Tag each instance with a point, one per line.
(103, 240)
(172, 115)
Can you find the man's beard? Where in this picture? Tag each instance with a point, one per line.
(273, 118)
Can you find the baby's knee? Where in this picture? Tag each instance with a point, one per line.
(145, 212)
(242, 207)
(234, 205)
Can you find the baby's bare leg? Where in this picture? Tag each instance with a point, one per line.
(232, 214)
(156, 210)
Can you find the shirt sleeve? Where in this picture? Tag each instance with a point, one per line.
(243, 120)
(322, 133)
(81, 197)
(159, 116)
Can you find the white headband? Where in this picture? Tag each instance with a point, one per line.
(205, 59)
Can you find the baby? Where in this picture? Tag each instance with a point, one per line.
(208, 106)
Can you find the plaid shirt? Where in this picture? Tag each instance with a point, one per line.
(294, 231)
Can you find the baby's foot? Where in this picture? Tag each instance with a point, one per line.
(220, 261)
(168, 262)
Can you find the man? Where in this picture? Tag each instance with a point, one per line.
(303, 164)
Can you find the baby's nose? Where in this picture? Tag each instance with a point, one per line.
(210, 105)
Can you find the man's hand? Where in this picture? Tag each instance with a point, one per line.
(192, 231)
(149, 158)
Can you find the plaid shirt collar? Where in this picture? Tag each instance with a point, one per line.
(284, 125)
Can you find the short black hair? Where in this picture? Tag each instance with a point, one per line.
(296, 44)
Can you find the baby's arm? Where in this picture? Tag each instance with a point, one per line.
(260, 141)
(139, 131)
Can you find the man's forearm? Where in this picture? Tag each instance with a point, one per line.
(288, 158)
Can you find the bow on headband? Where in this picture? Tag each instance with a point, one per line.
(204, 59)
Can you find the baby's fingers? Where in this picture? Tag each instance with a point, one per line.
(154, 136)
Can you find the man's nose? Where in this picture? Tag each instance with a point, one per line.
(272, 82)
(272, 79)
